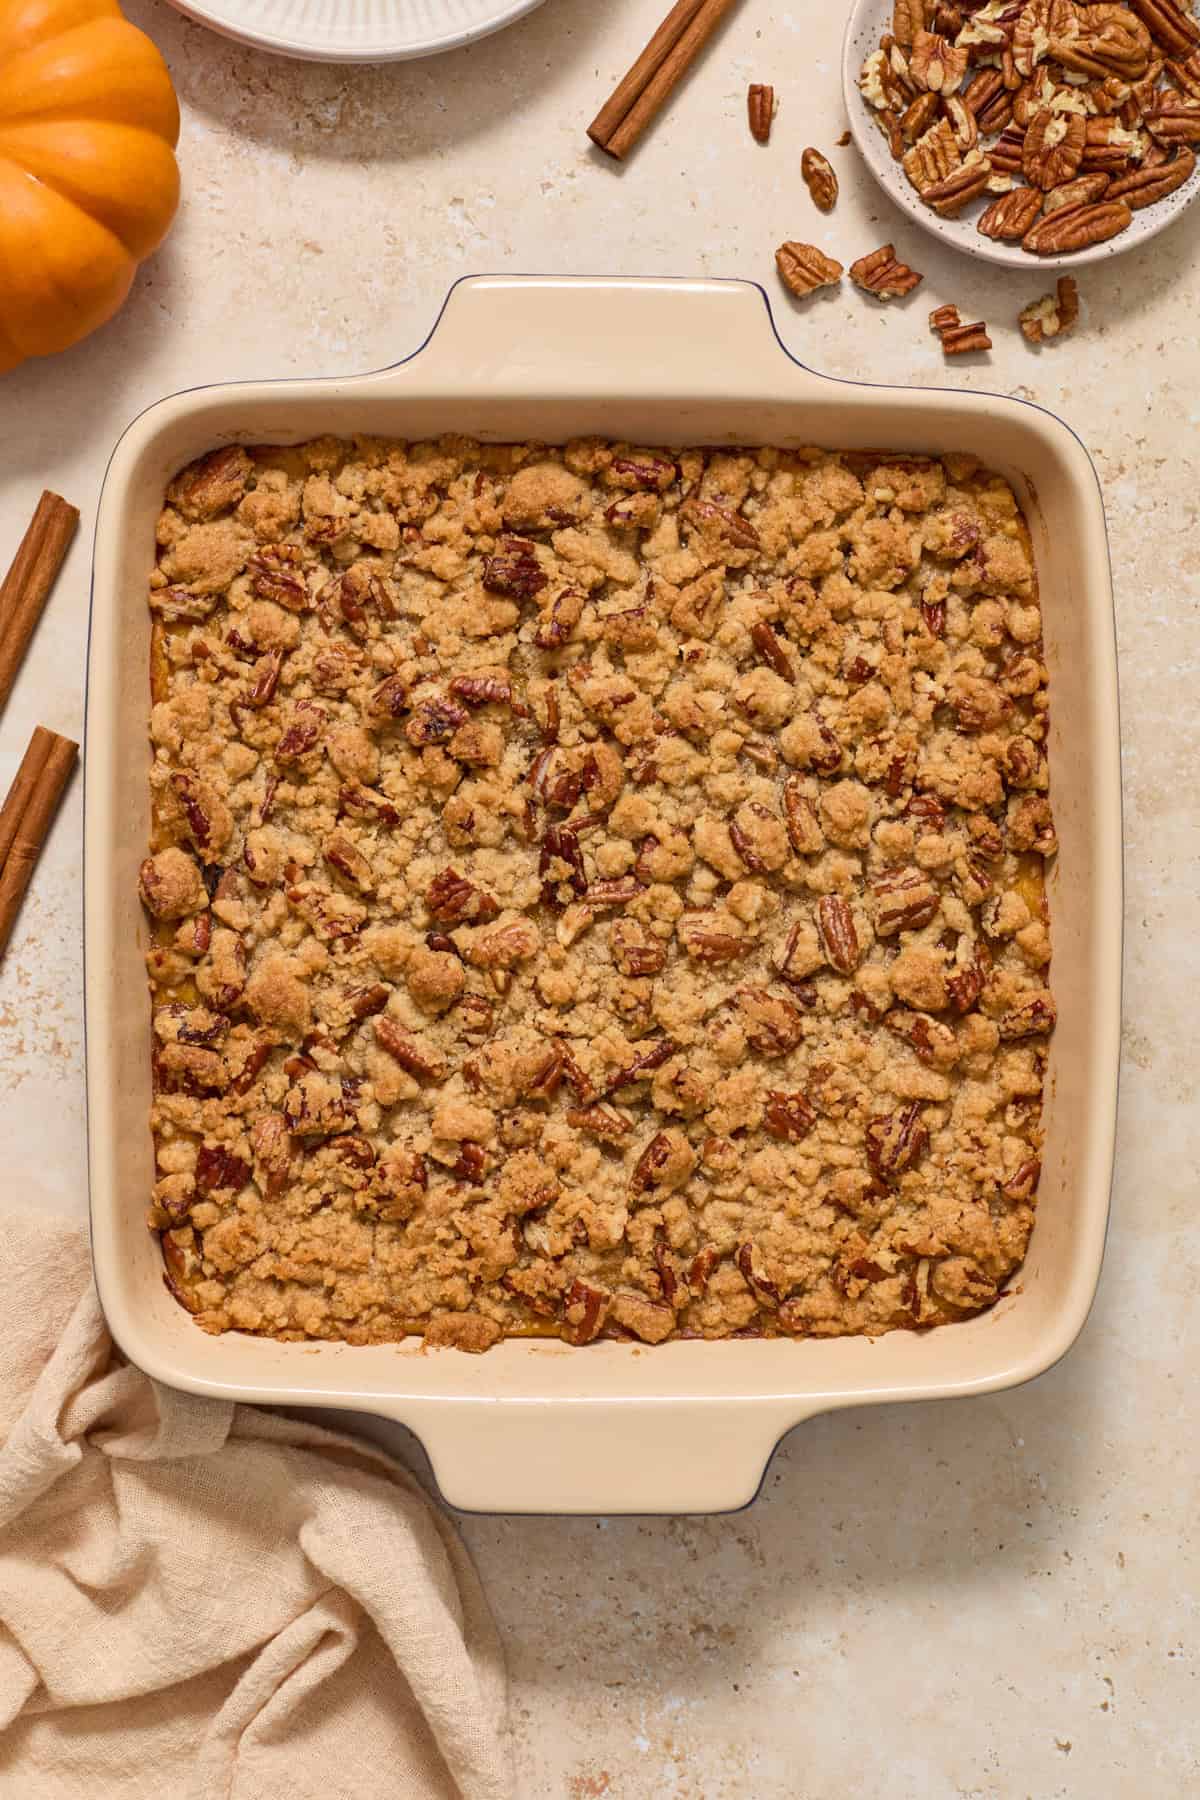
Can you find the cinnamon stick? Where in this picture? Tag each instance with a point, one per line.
(27, 815)
(649, 84)
(26, 587)
(630, 87)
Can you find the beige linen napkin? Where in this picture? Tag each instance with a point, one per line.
(202, 1601)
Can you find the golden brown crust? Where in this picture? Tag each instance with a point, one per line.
(597, 891)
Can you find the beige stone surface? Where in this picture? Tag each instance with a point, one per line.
(989, 1599)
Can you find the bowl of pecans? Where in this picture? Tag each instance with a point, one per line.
(1028, 131)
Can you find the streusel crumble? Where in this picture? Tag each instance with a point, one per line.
(596, 890)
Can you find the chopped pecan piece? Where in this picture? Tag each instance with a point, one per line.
(801, 817)
(453, 900)
(365, 803)
(505, 947)
(760, 109)
(1053, 314)
(585, 1308)
(603, 1122)
(769, 644)
(179, 606)
(705, 945)
(217, 1167)
(803, 268)
(820, 180)
(342, 854)
(755, 1276)
(790, 1116)
(664, 1165)
(277, 573)
(411, 1052)
(640, 1067)
(212, 484)
(959, 340)
(390, 698)
(774, 1027)
(1032, 1015)
(434, 719)
(514, 570)
(302, 733)
(879, 273)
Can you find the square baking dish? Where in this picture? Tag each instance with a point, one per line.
(535, 1425)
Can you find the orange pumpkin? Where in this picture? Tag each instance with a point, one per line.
(88, 179)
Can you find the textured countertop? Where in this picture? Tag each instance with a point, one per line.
(982, 1598)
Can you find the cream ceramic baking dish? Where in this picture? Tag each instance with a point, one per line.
(537, 1426)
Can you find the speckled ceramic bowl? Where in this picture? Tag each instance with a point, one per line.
(356, 30)
(869, 20)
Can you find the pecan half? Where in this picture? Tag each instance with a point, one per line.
(1170, 25)
(894, 1141)
(837, 934)
(880, 273)
(916, 119)
(1142, 187)
(803, 268)
(934, 156)
(767, 642)
(935, 65)
(908, 18)
(1053, 314)
(820, 180)
(959, 339)
(1010, 216)
(906, 900)
(1075, 227)
(801, 817)
(1174, 120)
(760, 109)
(989, 100)
(1053, 148)
(487, 690)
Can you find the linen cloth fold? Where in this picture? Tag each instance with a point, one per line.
(203, 1601)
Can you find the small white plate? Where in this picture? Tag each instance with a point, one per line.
(356, 30)
(869, 21)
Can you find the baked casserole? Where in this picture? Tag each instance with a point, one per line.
(596, 891)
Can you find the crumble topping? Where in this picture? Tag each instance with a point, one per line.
(595, 890)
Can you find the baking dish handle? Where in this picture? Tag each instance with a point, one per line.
(564, 334)
(601, 1456)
